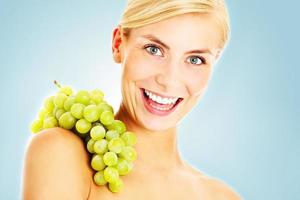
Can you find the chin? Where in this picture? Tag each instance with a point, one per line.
(157, 125)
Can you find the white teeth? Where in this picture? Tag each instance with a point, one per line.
(159, 99)
(158, 108)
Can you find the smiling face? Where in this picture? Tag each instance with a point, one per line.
(166, 68)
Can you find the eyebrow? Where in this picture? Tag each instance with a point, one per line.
(156, 40)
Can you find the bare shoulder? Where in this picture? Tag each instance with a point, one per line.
(220, 190)
(56, 166)
(212, 188)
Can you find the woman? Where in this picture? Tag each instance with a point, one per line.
(167, 50)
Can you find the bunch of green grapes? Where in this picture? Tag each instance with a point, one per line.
(89, 116)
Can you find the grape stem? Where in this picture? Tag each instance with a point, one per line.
(57, 84)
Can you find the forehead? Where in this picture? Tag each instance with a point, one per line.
(187, 31)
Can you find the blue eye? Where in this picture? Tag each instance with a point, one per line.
(197, 60)
(153, 50)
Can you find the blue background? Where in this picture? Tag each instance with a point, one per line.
(245, 130)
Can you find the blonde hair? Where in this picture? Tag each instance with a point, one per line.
(139, 13)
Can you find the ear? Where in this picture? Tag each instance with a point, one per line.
(218, 55)
(116, 43)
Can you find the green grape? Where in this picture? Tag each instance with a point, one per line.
(59, 100)
(48, 104)
(67, 120)
(123, 166)
(54, 110)
(110, 158)
(128, 153)
(100, 146)
(49, 122)
(49, 114)
(104, 106)
(83, 126)
(59, 112)
(77, 110)
(96, 124)
(83, 97)
(107, 117)
(118, 126)
(97, 96)
(43, 113)
(129, 138)
(116, 145)
(90, 117)
(69, 102)
(90, 145)
(36, 126)
(97, 162)
(81, 135)
(92, 102)
(97, 132)
(116, 186)
(110, 134)
(99, 178)
(111, 174)
(91, 113)
(130, 166)
(66, 90)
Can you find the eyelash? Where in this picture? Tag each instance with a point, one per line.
(203, 61)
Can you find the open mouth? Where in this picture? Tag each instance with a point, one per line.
(159, 104)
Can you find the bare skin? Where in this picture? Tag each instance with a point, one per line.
(57, 164)
(168, 178)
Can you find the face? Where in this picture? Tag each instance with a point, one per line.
(166, 67)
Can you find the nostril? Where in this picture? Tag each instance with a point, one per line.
(167, 80)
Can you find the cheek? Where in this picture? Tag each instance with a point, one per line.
(197, 82)
(137, 66)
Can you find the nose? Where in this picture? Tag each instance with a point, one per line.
(168, 78)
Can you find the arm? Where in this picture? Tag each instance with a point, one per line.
(56, 167)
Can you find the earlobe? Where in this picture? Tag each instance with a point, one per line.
(218, 55)
(116, 43)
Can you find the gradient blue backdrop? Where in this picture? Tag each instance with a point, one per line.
(245, 130)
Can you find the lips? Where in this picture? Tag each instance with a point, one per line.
(158, 108)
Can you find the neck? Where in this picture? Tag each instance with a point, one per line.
(155, 149)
